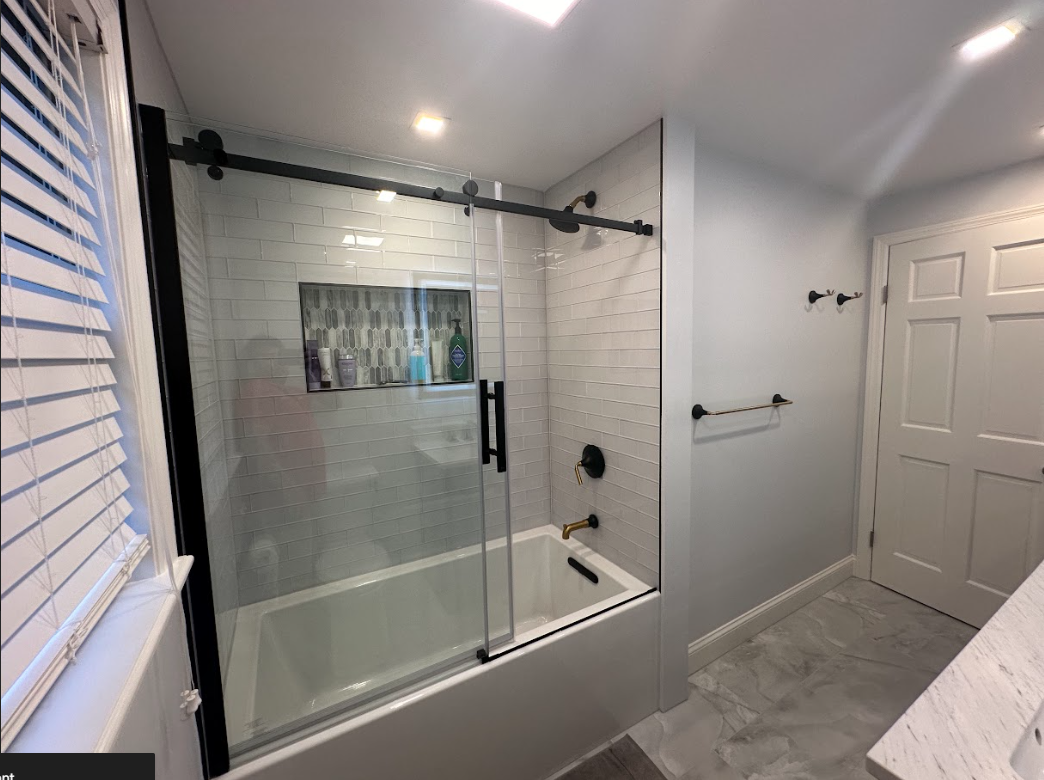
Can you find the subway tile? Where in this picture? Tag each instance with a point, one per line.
(241, 248)
(258, 228)
(289, 252)
(281, 211)
(353, 444)
(355, 220)
(260, 269)
(228, 205)
(237, 289)
(312, 195)
(281, 291)
(252, 185)
(267, 310)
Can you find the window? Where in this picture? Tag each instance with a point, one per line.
(71, 536)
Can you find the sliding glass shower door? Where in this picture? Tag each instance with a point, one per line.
(343, 348)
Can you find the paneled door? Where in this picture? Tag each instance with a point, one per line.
(959, 516)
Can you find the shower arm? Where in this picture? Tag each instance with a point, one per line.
(209, 151)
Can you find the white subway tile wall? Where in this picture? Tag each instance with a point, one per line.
(209, 427)
(331, 485)
(603, 340)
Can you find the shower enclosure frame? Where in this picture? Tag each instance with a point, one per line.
(195, 152)
(173, 349)
(171, 335)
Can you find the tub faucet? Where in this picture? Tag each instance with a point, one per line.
(590, 522)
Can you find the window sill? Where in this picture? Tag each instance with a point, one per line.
(88, 702)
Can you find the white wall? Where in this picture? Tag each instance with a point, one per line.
(151, 719)
(1000, 190)
(772, 491)
(154, 82)
(603, 323)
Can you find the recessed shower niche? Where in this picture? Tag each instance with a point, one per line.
(360, 336)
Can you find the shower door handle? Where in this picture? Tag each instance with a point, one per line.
(497, 396)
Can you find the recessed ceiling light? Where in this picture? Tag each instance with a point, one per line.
(994, 39)
(386, 196)
(550, 12)
(427, 123)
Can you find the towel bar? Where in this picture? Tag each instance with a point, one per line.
(777, 400)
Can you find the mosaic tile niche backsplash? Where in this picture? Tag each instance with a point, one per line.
(378, 326)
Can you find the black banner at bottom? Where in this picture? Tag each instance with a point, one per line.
(59, 766)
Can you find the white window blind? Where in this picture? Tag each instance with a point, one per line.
(66, 547)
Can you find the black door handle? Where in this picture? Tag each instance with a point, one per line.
(501, 422)
(484, 420)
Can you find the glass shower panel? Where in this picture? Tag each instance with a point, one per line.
(489, 273)
(357, 544)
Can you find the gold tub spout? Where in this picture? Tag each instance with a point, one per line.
(590, 522)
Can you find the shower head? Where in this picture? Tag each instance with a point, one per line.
(572, 227)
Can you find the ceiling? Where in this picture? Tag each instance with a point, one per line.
(864, 97)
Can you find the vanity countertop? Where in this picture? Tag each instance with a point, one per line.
(970, 719)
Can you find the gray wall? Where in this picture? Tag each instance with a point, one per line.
(1000, 190)
(772, 492)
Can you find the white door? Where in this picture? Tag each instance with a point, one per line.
(959, 515)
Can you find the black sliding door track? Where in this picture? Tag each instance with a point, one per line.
(193, 153)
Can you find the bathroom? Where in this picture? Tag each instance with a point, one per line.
(466, 427)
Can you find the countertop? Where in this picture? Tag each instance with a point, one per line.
(970, 719)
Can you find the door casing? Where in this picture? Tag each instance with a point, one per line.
(875, 297)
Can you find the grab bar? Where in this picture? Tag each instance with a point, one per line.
(777, 400)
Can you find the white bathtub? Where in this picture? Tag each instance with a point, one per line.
(303, 656)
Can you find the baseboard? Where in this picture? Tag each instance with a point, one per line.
(737, 631)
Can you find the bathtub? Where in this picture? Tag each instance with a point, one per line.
(302, 658)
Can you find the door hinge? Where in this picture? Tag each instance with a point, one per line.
(884, 294)
(871, 540)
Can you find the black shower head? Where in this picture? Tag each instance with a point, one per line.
(572, 227)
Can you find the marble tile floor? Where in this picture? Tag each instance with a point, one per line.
(807, 697)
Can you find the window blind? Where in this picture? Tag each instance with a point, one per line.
(66, 547)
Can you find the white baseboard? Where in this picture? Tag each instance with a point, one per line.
(737, 631)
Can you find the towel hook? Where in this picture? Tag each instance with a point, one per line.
(842, 299)
(814, 296)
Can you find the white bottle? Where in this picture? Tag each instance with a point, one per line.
(438, 364)
(325, 367)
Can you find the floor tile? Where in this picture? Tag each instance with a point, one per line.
(768, 752)
(735, 712)
(824, 728)
(926, 641)
(765, 668)
(806, 698)
(683, 737)
(712, 768)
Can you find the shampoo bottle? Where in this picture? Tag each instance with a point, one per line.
(417, 363)
(459, 360)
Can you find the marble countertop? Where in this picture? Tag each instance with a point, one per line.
(970, 719)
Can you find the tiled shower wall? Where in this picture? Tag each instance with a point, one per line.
(209, 430)
(603, 324)
(335, 484)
